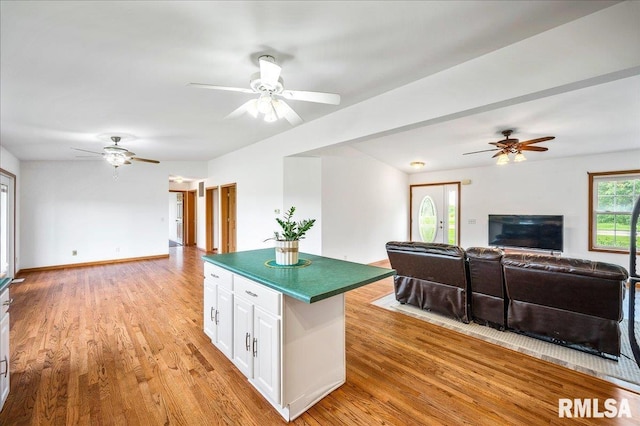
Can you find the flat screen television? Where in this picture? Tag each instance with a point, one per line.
(540, 232)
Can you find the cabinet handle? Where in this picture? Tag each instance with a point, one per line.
(8, 302)
(217, 319)
(6, 362)
(255, 347)
(250, 293)
(247, 341)
(212, 318)
(214, 276)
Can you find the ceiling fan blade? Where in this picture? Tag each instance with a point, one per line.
(269, 72)
(144, 160)
(318, 97)
(484, 150)
(502, 151)
(212, 87)
(84, 150)
(546, 138)
(533, 148)
(284, 110)
(250, 106)
(129, 154)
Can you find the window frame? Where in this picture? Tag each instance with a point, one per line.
(593, 178)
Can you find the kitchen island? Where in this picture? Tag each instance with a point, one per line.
(282, 326)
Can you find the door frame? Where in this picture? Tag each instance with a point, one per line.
(189, 208)
(228, 216)
(212, 194)
(11, 272)
(459, 204)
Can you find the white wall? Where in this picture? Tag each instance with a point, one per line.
(11, 164)
(77, 205)
(258, 174)
(303, 190)
(559, 186)
(364, 205)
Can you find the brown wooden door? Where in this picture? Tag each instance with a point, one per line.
(228, 218)
(209, 230)
(189, 218)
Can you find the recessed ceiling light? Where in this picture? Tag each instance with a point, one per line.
(417, 164)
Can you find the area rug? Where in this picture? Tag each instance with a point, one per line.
(624, 372)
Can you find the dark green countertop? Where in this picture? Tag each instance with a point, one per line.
(4, 282)
(323, 278)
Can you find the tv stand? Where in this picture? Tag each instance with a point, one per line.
(516, 250)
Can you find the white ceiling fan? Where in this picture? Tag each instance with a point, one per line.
(270, 87)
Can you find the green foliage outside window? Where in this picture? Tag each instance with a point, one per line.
(614, 200)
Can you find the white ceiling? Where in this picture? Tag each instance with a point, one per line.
(73, 72)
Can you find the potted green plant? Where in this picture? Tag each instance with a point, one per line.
(287, 239)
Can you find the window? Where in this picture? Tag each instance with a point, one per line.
(428, 220)
(612, 196)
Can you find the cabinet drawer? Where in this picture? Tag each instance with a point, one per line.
(218, 276)
(4, 302)
(259, 295)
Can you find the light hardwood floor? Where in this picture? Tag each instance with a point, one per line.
(123, 344)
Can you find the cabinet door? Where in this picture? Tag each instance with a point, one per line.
(4, 359)
(209, 310)
(266, 353)
(224, 338)
(242, 335)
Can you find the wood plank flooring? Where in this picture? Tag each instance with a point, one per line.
(123, 344)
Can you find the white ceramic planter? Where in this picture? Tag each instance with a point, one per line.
(286, 252)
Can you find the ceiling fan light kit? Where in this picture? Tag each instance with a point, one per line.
(510, 145)
(270, 87)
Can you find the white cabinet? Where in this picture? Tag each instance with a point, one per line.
(242, 336)
(5, 301)
(266, 354)
(218, 308)
(256, 325)
(291, 351)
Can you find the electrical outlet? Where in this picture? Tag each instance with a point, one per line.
(117, 249)
(472, 222)
(74, 252)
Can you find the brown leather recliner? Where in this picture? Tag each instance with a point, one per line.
(430, 276)
(486, 284)
(569, 300)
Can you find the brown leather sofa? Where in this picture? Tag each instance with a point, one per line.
(571, 301)
(486, 284)
(563, 300)
(430, 276)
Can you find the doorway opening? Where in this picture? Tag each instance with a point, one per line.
(435, 213)
(182, 218)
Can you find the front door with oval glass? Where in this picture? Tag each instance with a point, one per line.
(435, 213)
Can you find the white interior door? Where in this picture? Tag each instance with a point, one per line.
(435, 213)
